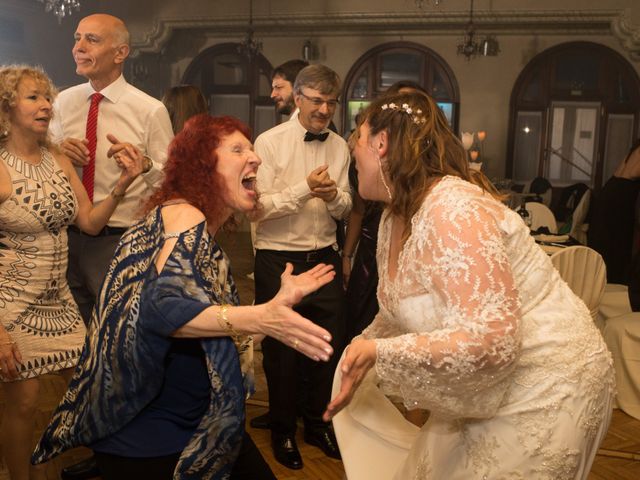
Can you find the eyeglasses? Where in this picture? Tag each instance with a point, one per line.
(318, 102)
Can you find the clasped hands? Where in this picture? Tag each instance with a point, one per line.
(321, 184)
(126, 155)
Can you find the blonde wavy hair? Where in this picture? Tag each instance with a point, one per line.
(10, 77)
(422, 148)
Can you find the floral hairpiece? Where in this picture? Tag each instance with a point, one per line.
(415, 114)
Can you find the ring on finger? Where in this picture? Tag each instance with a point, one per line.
(295, 343)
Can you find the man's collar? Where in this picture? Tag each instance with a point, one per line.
(111, 92)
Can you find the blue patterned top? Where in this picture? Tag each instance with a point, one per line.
(121, 368)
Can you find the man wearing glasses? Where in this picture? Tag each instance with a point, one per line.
(304, 189)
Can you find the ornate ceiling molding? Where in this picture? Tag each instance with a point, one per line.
(406, 24)
(628, 34)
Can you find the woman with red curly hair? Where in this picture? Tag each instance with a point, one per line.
(159, 391)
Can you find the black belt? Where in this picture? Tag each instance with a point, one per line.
(105, 232)
(310, 256)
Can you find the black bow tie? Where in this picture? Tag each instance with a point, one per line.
(310, 137)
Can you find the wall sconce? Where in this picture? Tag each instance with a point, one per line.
(308, 51)
(489, 47)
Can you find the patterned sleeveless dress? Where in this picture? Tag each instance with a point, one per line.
(36, 306)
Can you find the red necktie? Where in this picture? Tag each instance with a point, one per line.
(88, 172)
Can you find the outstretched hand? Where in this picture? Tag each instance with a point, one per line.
(294, 287)
(285, 325)
(359, 357)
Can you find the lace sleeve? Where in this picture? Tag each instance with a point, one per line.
(380, 328)
(459, 369)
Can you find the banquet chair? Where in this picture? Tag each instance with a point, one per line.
(585, 272)
(620, 328)
(541, 216)
(615, 302)
(579, 215)
(542, 189)
(622, 336)
(569, 198)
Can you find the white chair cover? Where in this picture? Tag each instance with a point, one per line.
(615, 302)
(578, 227)
(622, 335)
(541, 216)
(584, 270)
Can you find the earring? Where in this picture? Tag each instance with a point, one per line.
(384, 182)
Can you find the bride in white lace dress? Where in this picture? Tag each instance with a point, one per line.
(475, 325)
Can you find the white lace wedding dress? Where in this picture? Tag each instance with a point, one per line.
(478, 327)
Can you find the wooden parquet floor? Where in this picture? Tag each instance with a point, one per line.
(623, 438)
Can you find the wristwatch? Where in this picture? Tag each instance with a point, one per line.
(148, 164)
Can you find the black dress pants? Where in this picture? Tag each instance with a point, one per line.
(282, 364)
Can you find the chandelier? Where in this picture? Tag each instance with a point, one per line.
(249, 46)
(472, 46)
(61, 8)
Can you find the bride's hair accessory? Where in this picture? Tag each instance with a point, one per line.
(415, 114)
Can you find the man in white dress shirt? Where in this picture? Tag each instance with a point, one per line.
(132, 117)
(282, 79)
(123, 117)
(304, 189)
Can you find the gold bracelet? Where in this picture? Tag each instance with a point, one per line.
(117, 196)
(225, 324)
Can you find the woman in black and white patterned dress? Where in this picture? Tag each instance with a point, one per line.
(41, 330)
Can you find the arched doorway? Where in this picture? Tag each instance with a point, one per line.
(235, 84)
(382, 66)
(574, 115)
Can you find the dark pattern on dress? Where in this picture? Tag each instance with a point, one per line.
(122, 365)
(36, 306)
